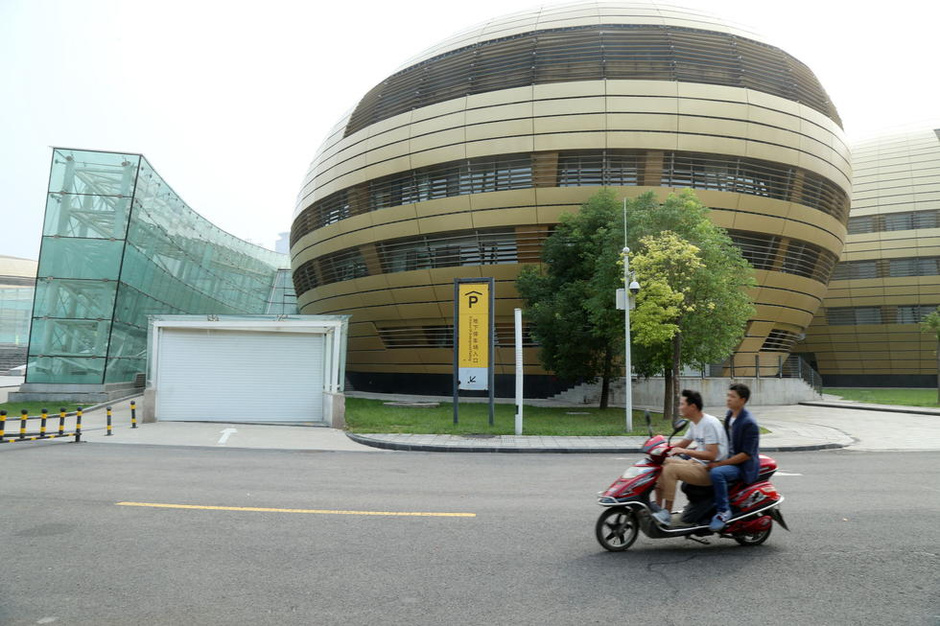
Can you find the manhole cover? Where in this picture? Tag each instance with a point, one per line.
(576, 413)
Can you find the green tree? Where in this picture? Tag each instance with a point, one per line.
(570, 304)
(694, 305)
(696, 316)
(931, 324)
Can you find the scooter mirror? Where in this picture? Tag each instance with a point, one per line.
(677, 426)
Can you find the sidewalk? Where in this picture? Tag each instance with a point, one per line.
(811, 426)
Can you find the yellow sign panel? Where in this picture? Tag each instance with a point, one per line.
(474, 331)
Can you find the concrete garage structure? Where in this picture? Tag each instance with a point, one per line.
(459, 165)
(230, 369)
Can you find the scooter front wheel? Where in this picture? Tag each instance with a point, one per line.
(616, 529)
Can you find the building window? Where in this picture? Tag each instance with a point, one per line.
(855, 270)
(343, 265)
(926, 266)
(604, 168)
(853, 316)
(594, 52)
(449, 250)
(860, 225)
(780, 341)
(913, 314)
(574, 168)
(899, 221)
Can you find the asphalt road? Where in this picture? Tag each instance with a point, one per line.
(863, 547)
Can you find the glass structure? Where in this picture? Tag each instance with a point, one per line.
(118, 245)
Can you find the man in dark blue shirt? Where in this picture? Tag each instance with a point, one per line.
(743, 462)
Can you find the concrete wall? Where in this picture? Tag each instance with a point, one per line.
(648, 393)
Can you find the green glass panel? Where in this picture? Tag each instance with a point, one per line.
(80, 258)
(74, 339)
(88, 216)
(75, 298)
(102, 168)
(59, 370)
(128, 353)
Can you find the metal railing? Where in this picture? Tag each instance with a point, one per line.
(767, 366)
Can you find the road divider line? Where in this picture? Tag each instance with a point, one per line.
(253, 509)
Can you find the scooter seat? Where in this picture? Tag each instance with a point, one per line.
(697, 492)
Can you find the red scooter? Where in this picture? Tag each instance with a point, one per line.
(627, 508)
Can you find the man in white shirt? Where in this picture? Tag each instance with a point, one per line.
(711, 444)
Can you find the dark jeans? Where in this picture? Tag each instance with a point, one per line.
(721, 476)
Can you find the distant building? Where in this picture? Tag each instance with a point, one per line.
(461, 162)
(867, 333)
(17, 285)
(282, 245)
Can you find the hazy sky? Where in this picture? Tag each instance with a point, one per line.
(230, 100)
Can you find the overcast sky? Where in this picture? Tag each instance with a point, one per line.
(229, 100)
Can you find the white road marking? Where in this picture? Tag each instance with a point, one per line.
(228, 432)
(779, 473)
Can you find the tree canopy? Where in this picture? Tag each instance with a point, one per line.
(931, 324)
(694, 304)
(570, 306)
(692, 307)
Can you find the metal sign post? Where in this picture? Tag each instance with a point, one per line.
(474, 338)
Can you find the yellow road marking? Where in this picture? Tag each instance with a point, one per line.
(254, 509)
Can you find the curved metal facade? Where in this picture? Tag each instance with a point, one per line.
(867, 332)
(445, 170)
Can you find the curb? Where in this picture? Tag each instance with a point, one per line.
(873, 407)
(408, 447)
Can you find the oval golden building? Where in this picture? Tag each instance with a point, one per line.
(460, 164)
(868, 331)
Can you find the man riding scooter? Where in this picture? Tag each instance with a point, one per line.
(711, 444)
(743, 462)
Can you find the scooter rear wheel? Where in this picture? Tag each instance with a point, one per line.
(753, 539)
(616, 529)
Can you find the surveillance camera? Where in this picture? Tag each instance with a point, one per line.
(634, 287)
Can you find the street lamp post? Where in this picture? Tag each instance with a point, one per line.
(629, 287)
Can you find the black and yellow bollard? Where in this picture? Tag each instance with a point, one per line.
(133, 414)
(42, 423)
(61, 420)
(78, 424)
(108, 409)
(23, 417)
(3, 424)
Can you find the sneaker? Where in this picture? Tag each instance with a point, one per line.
(719, 521)
(663, 516)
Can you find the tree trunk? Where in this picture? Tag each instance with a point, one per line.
(938, 369)
(605, 378)
(667, 394)
(676, 367)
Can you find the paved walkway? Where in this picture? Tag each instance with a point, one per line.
(812, 426)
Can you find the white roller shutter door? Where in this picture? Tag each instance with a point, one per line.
(239, 376)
